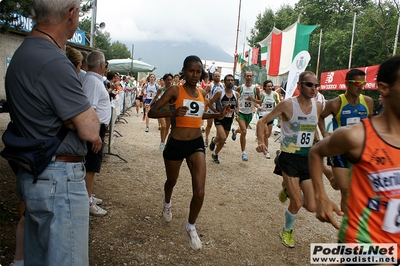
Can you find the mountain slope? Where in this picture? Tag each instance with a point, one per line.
(168, 56)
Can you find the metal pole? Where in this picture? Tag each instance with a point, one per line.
(319, 52)
(397, 36)
(93, 24)
(133, 47)
(236, 44)
(352, 39)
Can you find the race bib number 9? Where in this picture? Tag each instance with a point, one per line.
(196, 108)
(391, 223)
(305, 139)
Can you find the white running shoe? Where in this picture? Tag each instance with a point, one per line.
(97, 201)
(167, 214)
(162, 146)
(95, 210)
(194, 239)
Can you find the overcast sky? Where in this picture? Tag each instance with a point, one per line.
(214, 21)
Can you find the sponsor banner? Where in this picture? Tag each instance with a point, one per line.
(353, 253)
(335, 80)
(299, 64)
(27, 24)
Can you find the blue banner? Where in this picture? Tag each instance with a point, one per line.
(27, 24)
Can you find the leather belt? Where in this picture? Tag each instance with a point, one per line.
(70, 159)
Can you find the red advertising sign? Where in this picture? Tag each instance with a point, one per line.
(334, 80)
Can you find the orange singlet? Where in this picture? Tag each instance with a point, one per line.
(193, 117)
(373, 205)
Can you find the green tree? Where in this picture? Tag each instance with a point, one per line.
(103, 42)
(24, 7)
(118, 50)
(285, 16)
(100, 41)
(8, 9)
(263, 26)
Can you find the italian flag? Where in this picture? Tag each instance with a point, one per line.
(282, 46)
(264, 55)
(266, 46)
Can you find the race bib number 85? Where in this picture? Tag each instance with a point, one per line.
(196, 108)
(305, 139)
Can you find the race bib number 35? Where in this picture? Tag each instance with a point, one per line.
(196, 108)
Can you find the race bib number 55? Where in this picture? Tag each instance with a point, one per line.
(196, 108)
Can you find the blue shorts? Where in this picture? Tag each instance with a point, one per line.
(177, 150)
(340, 161)
(147, 101)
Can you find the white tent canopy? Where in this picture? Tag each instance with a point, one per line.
(129, 65)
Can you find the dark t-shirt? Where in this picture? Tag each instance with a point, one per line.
(43, 89)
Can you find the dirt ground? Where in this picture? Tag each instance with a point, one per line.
(239, 223)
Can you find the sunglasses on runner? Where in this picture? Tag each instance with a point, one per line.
(357, 83)
(310, 84)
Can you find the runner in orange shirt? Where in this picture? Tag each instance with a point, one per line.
(185, 140)
(373, 147)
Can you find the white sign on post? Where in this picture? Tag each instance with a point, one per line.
(298, 66)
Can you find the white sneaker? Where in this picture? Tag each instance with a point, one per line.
(95, 210)
(97, 201)
(162, 146)
(167, 214)
(194, 239)
(267, 155)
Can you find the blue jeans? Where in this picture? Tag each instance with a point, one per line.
(56, 215)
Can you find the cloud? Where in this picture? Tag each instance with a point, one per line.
(213, 21)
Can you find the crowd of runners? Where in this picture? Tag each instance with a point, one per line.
(303, 134)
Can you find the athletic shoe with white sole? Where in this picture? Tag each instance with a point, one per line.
(287, 238)
(167, 213)
(162, 146)
(97, 201)
(95, 210)
(212, 144)
(194, 239)
(215, 158)
(233, 134)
